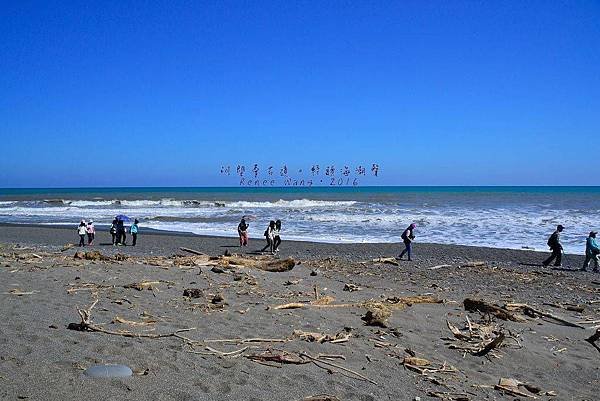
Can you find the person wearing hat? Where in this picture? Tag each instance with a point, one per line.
(407, 237)
(82, 231)
(591, 252)
(555, 247)
(91, 232)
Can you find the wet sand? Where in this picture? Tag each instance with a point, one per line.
(42, 359)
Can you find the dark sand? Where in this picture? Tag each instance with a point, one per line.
(41, 359)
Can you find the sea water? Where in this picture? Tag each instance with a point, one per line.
(503, 217)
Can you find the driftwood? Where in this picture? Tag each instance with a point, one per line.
(321, 338)
(474, 305)
(86, 324)
(391, 261)
(377, 315)
(529, 311)
(593, 338)
(195, 252)
(495, 343)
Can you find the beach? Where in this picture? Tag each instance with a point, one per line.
(291, 334)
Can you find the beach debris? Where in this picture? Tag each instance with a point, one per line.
(90, 255)
(516, 388)
(193, 293)
(19, 293)
(148, 322)
(66, 247)
(218, 270)
(416, 299)
(261, 263)
(143, 285)
(120, 257)
(414, 361)
(314, 273)
(195, 252)
(532, 312)
(439, 267)
(321, 397)
(217, 299)
(476, 263)
(351, 287)
(480, 339)
(390, 261)
(108, 371)
(292, 305)
(377, 315)
(474, 305)
(86, 324)
(291, 282)
(593, 338)
(320, 338)
(445, 395)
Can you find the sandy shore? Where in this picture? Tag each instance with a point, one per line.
(41, 289)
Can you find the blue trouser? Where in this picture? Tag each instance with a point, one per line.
(407, 249)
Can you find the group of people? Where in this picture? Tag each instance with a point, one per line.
(272, 235)
(592, 250)
(117, 230)
(86, 229)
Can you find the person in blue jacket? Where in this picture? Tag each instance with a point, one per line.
(591, 252)
(134, 231)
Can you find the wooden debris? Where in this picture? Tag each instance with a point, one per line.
(529, 311)
(321, 397)
(67, 247)
(476, 263)
(148, 322)
(195, 252)
(90, 255)
(414, 361)
(322, 338)
(193, 293)
(86, 324)
(439, 267)
(351, 287)
(390, 261)
(377, 315)
(293, 305)
(18, 292)
(512, 387)
(142, 285)
(474, 305)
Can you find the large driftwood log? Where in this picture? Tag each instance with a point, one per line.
(474, 305)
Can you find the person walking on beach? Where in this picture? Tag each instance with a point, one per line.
(407, 237)
(91, 232)
(120, 232)
(134, 231)
(243, 232)
(591, 252)
(82, 231)
(555, 247)
(113, 231)
(276, 237)
(269, 236)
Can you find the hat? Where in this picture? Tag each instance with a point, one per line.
(560, 227)
(592, 233)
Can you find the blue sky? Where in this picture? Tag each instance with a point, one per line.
(435, 92)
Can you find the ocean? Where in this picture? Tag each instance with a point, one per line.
(501, 217)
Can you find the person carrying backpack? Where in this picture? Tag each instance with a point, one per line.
(269, 232)
(591, 252)
(407, 237)
(556, 248)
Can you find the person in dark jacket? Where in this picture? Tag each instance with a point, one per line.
(555, 247)
(269, 232)
(407, 237)
(243, 232)
(120, 232)
(113, 231)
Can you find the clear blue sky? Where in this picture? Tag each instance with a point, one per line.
(437, 92)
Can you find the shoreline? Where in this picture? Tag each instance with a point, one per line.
(159, 242)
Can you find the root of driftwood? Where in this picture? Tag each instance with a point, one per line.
(377, 315)
(474, 305)
(86, 324)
